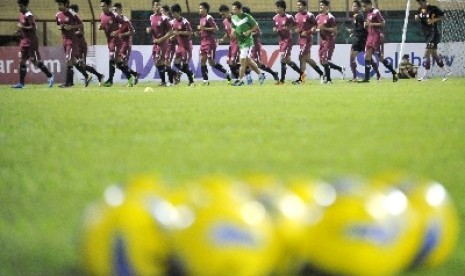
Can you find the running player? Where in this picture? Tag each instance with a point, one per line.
(29, 45)
(375, 40)
(283, 25)
(306, 23)
(182, 31)
(429, 16)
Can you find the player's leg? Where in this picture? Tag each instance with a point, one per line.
(23, 57)
(386, 63)
(214, 64)
(256, 56)
(111, 64)
(340, 69)
(368, 62)
(37, 61)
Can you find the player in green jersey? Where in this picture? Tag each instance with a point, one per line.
(243, 25)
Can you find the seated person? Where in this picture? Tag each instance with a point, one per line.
(406, 69)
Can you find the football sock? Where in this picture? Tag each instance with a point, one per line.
(220, 68)
(334, 66)
(283, 71)
(353, 68)
(327, 71)
(22, 73)
(112, 70)
(82, 71)
(367, 68)
(92, 70)
(266, 69)
(317, 69)
(161, 73)
(44, 69)
(295, 68)
(388, 66)
(204, 71)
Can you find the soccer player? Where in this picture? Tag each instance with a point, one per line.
(126, 33)
(69, 23)
(233, 51)
(429, 15)
(326, 25)
(283, 24)
(173, 76)
(359, 36)
(375, 40)
(112, 24)
(182, 31)
(256, 50)
(206, 30)
(83, 49)
(161, 30)
(306, 22)
(29, 45)
(242, 26)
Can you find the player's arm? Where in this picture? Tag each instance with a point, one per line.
(168, 34)
(29, 26)
(187, 32)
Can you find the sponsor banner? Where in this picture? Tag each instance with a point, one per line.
(53, 58)
(141, 61)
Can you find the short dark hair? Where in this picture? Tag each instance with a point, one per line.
(155, 1)
(325, 2)
(358, 3)
(367, 2)
(246, 9)
(406, 56)
(23, 2)
(107, 2)
(281, 4)
(205, 5)
(302, 2)
(74, 7)
(223, 8)
(176, 8)
(237, 4)
(166, 8)
(118, 6)
(64, 2)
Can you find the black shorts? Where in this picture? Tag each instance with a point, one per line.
(433, 40)
(358, 45)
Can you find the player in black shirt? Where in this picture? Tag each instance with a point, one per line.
(359, 36)
(428, 16)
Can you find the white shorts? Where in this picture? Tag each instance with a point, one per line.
(245, 53)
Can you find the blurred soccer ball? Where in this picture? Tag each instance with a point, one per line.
(436, 215)
(362, 230)
(125, 235)
(230, 235)
(148, 89)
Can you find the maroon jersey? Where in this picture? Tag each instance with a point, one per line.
(207, 37)
(305, 22)
(68, 18)
(125, 27)
(284, 24)
(228, 29)
(160, 25)
(183, 41)
(328, 21)
(110, 22)
(28, 37)
(374, 33)
(255, 52)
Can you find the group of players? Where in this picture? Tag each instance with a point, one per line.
(172, 40)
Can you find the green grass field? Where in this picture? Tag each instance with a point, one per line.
(59, 148)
